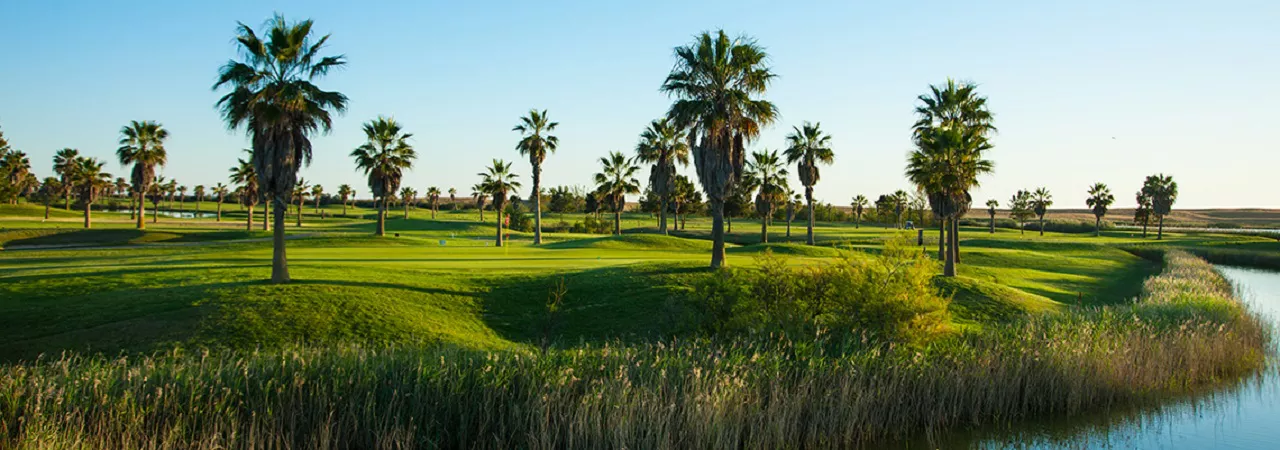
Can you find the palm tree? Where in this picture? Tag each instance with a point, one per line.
(1163, 192)
(156, 192)
(142, 146)
(808, 146)
(716, 82)
(1041, 200)
(220, 190)
(64, 164)
(950, 135)
(793, 203)
(1142, 213)
(88, 181)
(246, 176)
(198, 192)
(384, 157)
(766, 173)
(274, 96)
(615, 180)
(992, 204)
(121, 186)
(317, 191)
(536, 142)
(50, 189)
(900, 200)
(182, 197)
(1020, 206)
(170, 189)
(344, 193)
(433, 198)
(1099, 200)
(453, 200)
(300, 192)
(663, 145)
(497, 181)
(17, 167)
(408, 196)
(859, 206)
(479, 196)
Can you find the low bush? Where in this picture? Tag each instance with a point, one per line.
(592, 225)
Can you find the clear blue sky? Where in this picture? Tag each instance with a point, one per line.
(1083, 91)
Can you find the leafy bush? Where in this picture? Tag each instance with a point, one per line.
(890, 295)
(1051, 225)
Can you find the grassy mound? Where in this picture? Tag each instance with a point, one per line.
(977, 302)
(788, 249)
(634, 242)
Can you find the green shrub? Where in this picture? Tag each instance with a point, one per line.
(890, 295)
(592, 225)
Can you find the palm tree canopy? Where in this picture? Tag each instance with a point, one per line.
(807, 147)
(16, 164)
(1162, 191)
(955, 104)
(946, 164)
(272, 93)
(142, 146)
(385, 155)
(716, 82)
(536, 142)
(497, 180)
(88, 178)
(246, 176)
(616, 178)
(64, 164)
(1100, 199)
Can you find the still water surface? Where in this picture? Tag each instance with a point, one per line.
(1246, 416)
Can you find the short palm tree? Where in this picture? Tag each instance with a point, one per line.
(1163, 192)
(433, 199)
(198, 193)
(992, 204)
(497, 181)
(1041, 200)
(1099, 200)
(170, 189)
(17, 166)
(807, 147)
(453, 198)
(900, 200)
(766, 173)
(408, 196)
(479, 196)
(344, 193)
(300, 192)
(1020, 209)
(615, 180)
(219, 190)
(64, 164)
(88, 182)
(121, 186)
(793, 204)
(272, 93)
(317, 191)
(156, 193)
(717, 82)
(182, 197)
(50, 190)
(384, 157)
(536, 142)
(142, 146)
(663, 145)
(859, 205)
(244, 175)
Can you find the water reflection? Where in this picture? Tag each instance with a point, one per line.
(174, 214)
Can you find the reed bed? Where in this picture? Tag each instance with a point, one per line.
(745, 392)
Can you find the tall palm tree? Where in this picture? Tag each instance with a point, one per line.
(717, 82)
(766, 173)
(433, 199)
(408, 195)
(300, 192)
(663, 145)
(246, 177)
(859, 204)
(497, 181)
(317, 191)
(1163, 192)
(992, 204)
(142, 146)
(182, 197)
(615, 180)
(64, 164)
(479, 196)
(17, 167)
(1041, 200)
(453, 198)
(220, 190)
(344, 193)
(1099, 200)
(535, 142)
(384, 157)
(950, 136)
(88, 181)
(807, 147)
(272, 93)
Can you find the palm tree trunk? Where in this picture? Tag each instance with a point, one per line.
(764, 231)
(857, 223)
(266, 215)
(498, 209)
(279, 263)
(717, 234)
(955, 238)
(1144, 228)
(949, 264)
(133, 208)
(537, 206)
(993, 224)
(1160, 229)
(662, 215)
(617, 221)
(87, 207)
(67, 206)
(46, 210)
(142, 212)
(808, 195)
(1097, 226)
(155, 213)
(299, 211)
(481, 208)
(248, 223)
(219, 219)
(197, 208)
(382, 216)
(344, 208)
(942, 239)
(406, 211)
(729, 219)
(1042, 225)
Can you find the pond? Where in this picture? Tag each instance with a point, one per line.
(174, 214)
(1245, 416)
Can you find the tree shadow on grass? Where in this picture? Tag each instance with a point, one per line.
(629, 303)
(81, 237)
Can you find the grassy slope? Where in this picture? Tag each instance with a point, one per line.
(351, 287)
